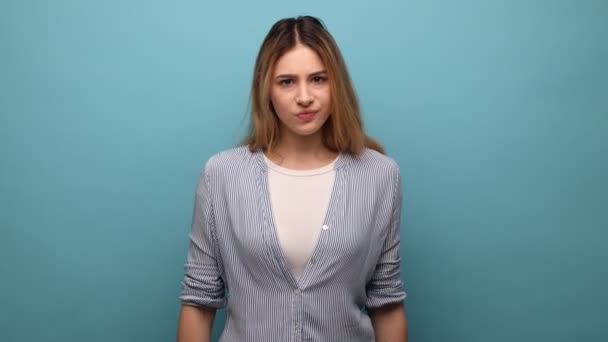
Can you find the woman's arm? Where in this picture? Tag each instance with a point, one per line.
(390, 323)
(202, 287)
(195, 323)
(385, 292)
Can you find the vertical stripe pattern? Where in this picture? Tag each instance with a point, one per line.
(235, 259)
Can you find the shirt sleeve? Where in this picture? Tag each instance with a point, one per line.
(385, 286)
(203, 284)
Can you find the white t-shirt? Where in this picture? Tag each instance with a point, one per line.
(299, 200)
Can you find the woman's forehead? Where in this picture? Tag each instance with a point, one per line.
(300, 60)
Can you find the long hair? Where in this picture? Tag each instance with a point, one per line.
(343, 131)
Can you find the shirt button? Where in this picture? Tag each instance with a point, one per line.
(325, 227)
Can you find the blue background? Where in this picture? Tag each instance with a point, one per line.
(496, 111)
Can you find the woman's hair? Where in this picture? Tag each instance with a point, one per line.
(343, 131)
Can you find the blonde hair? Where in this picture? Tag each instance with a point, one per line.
(343, 131)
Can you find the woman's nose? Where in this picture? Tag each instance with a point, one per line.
(304, 97)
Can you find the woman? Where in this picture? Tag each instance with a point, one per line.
(297, 232)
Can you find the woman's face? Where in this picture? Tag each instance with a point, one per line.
(300, 92)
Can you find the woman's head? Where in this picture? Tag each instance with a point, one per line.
(301, 86)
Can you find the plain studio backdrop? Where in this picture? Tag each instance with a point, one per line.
(496, 111)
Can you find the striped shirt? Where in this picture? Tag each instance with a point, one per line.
(235, 259)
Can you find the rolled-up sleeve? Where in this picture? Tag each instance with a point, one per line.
(203, 284)
(385, 286)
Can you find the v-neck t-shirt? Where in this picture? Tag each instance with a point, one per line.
(299, 201)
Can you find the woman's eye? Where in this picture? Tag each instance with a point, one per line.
(286, 82)
(318, 79)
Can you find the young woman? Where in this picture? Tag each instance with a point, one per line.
(296, 233)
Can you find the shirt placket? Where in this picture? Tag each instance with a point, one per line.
(297, 315)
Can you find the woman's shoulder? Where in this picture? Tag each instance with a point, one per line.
(370, 159)
(375, 170)
(231, 159)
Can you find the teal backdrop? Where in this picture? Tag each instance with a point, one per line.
(496, 111)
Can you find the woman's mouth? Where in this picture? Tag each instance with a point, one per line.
(306, 116)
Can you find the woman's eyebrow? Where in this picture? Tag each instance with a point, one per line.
(286, 76)
(316, 73)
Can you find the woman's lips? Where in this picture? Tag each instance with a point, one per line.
(306, 116)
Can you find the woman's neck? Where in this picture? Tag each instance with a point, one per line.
(301, 153)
